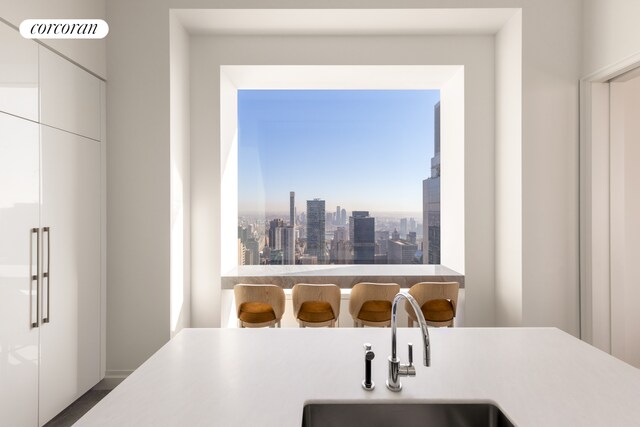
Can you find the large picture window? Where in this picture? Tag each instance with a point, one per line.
(338, 177)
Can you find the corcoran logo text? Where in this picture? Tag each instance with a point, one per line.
(64, 28)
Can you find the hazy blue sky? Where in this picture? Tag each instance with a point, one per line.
(360, 149)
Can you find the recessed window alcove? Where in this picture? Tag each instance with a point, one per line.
(457, 51)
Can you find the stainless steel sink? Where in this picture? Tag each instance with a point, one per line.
(405, 415)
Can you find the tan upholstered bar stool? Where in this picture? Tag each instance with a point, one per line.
(258, 306)
(316, 305)
(370, 303)
(438, 301)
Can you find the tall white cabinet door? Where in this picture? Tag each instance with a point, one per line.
(18, 74)
(19, 215)
(70, 208)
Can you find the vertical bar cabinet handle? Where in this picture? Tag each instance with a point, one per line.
(47, 275)
(36, 278)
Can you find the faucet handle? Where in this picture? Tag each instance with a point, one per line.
(369, 355)
(410, 354)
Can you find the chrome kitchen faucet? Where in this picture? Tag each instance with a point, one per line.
(396, 369)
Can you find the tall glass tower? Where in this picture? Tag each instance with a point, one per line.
(431, 200)
(292, 208)
(315, 229)
(363, 236)
(273, 226)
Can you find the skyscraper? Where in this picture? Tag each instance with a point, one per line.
(337, 221)
(292, 208)
(363, 237)
(315, 229)
(243, 234)
(341, 247)
(403, 228)
(401, 252)
(252, 252)
(431, 200)
(382, 242)
(241, 260)
(343, 217)
(279, 238)
(273, 225)
(340, 234)
(288, 245)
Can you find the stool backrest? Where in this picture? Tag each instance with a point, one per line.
(427, 291)
(367, 291)
(310, 292)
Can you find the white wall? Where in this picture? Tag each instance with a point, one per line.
(90, 54)
(180, 131)
(610, 33)
(228, 172)
(509, 173)
(551, 53)
(625, 221)
(611, 45)
(595, 273)
(138, 183)
(453, 174)
(138, 106)
(475, 53)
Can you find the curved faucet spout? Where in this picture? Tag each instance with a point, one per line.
(421, 321)
(396, 369)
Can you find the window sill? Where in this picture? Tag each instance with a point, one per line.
(344, 276)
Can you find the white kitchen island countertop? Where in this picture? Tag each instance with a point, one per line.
(264, 377)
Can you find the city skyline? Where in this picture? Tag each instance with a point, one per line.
(363, 150)
(285, 214)
(320, 235)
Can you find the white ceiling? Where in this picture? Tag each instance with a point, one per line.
(343, 21)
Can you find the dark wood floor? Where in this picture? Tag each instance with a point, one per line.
(77, 409)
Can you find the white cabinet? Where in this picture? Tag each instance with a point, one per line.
(51, 232)
(19, 214)
(69, 96)
(70, 210)
(18, 74)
